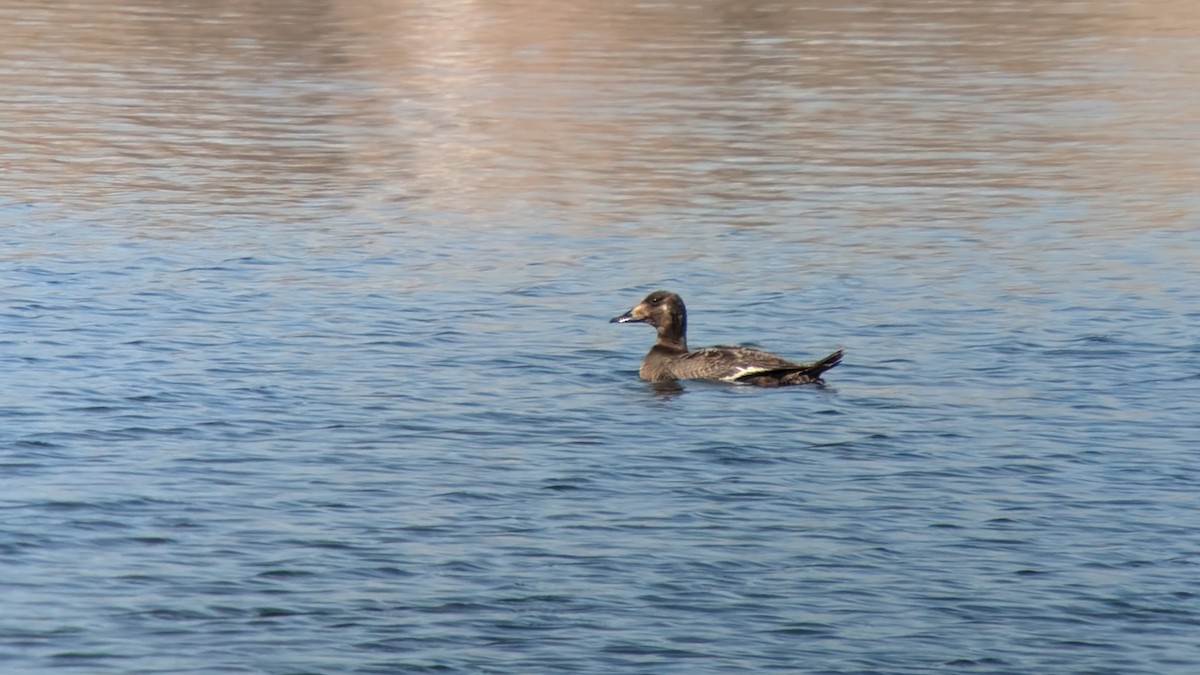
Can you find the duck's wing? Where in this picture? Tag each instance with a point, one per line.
(751, 366)
(728, 363)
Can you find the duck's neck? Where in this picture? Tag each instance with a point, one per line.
(673, 335)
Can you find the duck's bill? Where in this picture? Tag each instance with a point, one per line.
(627, 317)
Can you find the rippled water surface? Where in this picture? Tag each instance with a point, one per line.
(306, 366)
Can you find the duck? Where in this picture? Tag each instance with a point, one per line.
(669, 359)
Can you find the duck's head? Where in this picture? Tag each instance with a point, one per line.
(662, 309)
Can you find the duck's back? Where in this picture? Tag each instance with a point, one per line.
(748, 366)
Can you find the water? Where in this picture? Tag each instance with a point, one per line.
(307, 369)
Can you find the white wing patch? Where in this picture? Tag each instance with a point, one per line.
(742, 371)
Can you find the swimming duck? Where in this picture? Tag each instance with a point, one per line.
(669, 358)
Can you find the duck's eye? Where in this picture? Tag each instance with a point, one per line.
(654, 300)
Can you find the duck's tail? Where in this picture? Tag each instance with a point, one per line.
(815, 370)
(810, 373)
(792, 374)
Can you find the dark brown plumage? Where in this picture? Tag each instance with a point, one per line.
(669, 358)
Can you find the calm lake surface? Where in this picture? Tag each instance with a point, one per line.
(306, 365)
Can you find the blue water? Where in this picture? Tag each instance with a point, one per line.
(307, 369)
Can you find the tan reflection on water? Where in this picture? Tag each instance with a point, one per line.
(597, 112)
